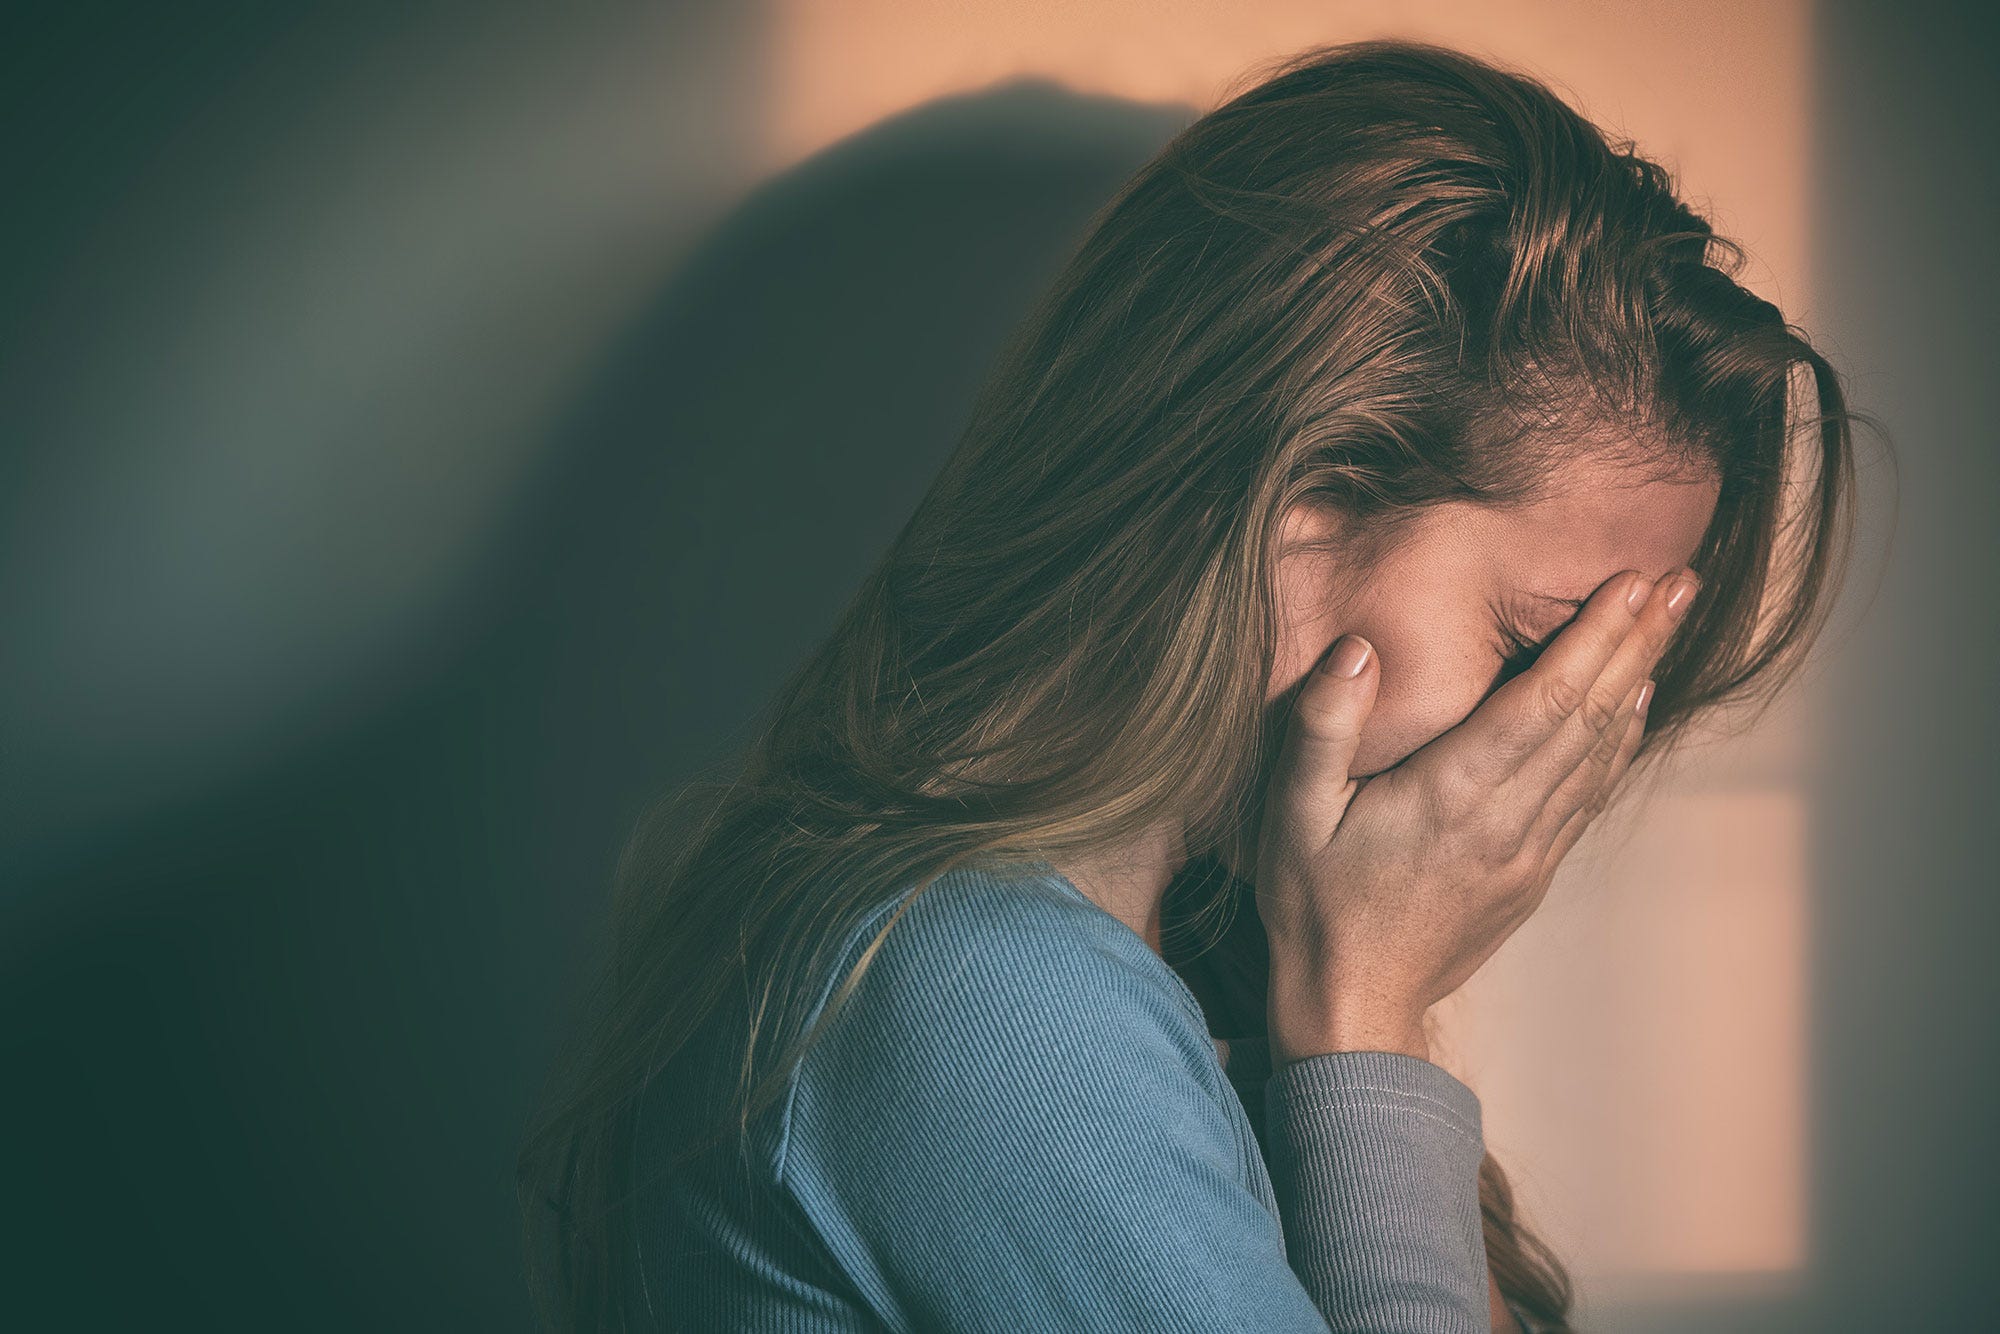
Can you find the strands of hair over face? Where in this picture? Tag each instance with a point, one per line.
(1385, 276)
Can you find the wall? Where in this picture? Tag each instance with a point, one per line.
(427, 439)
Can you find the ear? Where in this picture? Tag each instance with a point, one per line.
(1311, 522)
(1311, 578)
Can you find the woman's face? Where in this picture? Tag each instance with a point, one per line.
(1445, 607)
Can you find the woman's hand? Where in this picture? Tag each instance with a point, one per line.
(1381, 896)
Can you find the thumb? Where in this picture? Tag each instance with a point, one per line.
(1311, 787)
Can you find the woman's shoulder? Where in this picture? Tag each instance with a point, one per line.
(1022, 931)
(1029, 897)
(1005, 983)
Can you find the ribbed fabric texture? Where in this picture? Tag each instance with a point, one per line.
(1018, 1121)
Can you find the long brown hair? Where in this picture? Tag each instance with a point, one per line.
(1386, 276)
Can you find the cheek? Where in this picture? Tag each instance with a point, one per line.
(1428, 687)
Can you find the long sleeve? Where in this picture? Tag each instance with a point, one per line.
(1018, 1121)
(1375, 1160)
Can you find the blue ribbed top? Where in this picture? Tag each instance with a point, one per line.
(1019, 1121)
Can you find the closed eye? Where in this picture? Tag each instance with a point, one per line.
(1518, 651)
(1518, 655)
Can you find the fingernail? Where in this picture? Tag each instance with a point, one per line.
(1350, 655)
(1682, 596)
(1645, 698)
(1635, 596)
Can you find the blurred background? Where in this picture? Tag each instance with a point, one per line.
(429, 433)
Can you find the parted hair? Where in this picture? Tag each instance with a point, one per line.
(1383, 276)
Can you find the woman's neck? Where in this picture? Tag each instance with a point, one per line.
(1130, 880)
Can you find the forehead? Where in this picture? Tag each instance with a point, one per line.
(1603, 521)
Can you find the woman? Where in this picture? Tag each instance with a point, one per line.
(1311, 571)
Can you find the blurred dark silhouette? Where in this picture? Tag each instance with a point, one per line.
(273, 1050)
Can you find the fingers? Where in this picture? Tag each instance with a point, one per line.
(1545, 771)
(1588, 787)
(1310, 787)
(1522, 715)
(1580, 819)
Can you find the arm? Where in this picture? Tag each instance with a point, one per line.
(1370, 1090)
(1017, 1122)
(1375, 1158)
(1231, 979)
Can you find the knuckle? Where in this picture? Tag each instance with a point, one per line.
(1449, 792)
(1515, 869)
(1562, 696)
(1524, 859)
(1599, 713)
(1500, 839)
(1521, 875)
(1610, 743)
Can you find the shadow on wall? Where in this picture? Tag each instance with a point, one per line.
(282, 1042)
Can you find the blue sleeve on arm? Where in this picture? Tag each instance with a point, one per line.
(1018, 1122)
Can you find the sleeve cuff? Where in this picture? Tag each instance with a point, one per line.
(1390, 1079)
(1375, 1162)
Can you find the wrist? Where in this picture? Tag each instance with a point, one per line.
(1405, 1038)
(1306, 1022)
